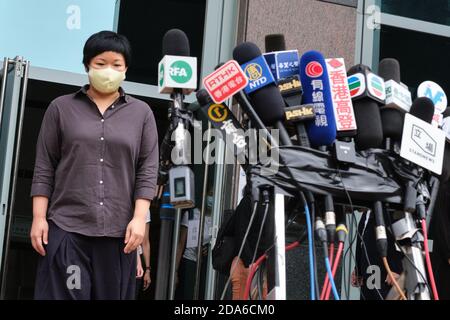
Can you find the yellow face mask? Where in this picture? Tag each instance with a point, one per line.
(106, 80)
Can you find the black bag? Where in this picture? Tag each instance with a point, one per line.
(224, 250)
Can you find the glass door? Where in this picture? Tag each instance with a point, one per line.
(13, 87)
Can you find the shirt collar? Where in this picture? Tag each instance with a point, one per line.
(84, 89)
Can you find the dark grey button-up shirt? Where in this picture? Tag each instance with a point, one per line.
(93, 167)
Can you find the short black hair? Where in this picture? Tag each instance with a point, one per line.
(104, 41)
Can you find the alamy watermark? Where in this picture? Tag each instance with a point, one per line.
(373, 14)
(252, 146)
(74, 279)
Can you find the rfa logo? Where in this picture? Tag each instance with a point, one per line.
(161, 75)
(180, 71)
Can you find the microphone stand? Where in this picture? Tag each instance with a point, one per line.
(410, 238)
(170, 228)
(167, 221)
(180, 149)
(406, 232)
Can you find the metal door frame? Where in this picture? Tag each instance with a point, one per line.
(14, 106)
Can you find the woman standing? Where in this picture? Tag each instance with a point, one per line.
(94, 177)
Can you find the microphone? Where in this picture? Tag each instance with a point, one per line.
(261, 90)
(367, 91)
(321, 131)
(221, 118)
(398, 102)
(423, 108)
(316, 91)
(177, 70)
(434, 91)
(285, 69)
(275, 42)
(284, 65)
(342, 102)
(397, 94)
(380, 230)
(178, 76)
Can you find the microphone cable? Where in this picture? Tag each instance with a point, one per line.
(289, 247)
(335, 266)
(321, 234)
(356, 236)
(331, 253)
(310, 198)
(310, 252)
(428, 259)
(342, 232)
(326, 281)
(394, 281)
(330, 275)
(406, 256)
(254, 267)
(266, 210)
(382, 244)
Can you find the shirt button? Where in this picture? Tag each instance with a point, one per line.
(103, 120)
(112, 107)
(101, 182)
(101, 203)
(101, 160)
(101, 138)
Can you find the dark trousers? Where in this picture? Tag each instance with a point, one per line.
(78, 267)
(186, 279)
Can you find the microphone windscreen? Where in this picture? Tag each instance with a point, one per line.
(203, 97)
(268, 104)
(316, 91)
(358, 68)
(368, 119)
(275, 42)
(423, 108)
(367, 114)
(392, 121)
(267, 101)
(219, 65)
(389, 69)
(245, 52)
(175, 43)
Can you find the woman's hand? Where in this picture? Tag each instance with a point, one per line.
(134, 234)
(147, 280)
(389, 281)
(39, 234)
(139, 270)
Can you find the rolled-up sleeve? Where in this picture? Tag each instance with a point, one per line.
(48, 151)
(147, 166)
